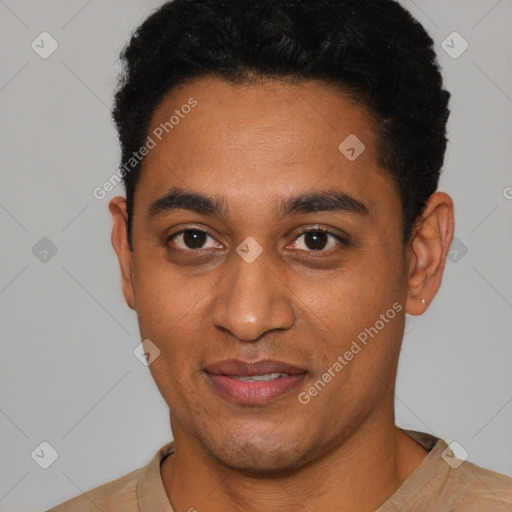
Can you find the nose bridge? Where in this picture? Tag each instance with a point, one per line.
(252, 299)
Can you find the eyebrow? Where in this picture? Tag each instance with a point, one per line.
(330, 200)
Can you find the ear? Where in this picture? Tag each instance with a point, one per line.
(117, 207)
(427, 251)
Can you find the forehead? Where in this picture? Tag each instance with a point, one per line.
(260, 140)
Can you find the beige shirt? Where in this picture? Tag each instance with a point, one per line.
(435, 485)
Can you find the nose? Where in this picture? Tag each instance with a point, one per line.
(252, 299)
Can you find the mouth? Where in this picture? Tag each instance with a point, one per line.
(261, 378)
(254, 382)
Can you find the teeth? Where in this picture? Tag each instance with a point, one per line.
(258, 378)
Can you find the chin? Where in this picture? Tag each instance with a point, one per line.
(260, 455)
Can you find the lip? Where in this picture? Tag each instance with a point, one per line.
(222, 376)
(234, 367)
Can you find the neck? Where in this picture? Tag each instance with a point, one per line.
(359, 475)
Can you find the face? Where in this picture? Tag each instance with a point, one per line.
(291, 260)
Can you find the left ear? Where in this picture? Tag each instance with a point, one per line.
(427, 251)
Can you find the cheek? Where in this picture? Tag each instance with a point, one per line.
(355, 299)
(177, 333)
(171, 314)
(362, 311)
(167, 302)
(172, 378)
(365, 330)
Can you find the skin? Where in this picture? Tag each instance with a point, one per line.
(253, 146)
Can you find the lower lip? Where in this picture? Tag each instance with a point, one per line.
(245, 392)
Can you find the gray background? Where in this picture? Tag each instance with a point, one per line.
(68, 373)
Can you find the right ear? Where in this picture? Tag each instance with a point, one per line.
(117, 207)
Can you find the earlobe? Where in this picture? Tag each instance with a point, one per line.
(427, 252)
(119, 238)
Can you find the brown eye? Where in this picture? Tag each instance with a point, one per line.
(192, 239)
(317, 240)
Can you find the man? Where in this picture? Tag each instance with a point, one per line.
(281, 161)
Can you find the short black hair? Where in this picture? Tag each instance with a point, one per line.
(372, 50)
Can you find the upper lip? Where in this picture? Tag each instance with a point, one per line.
(237, 367)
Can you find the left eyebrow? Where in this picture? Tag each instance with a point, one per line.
(330, 200)
(316, 201)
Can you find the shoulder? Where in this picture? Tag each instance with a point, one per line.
(141, 488)
(481, 489)
(121, 492)
(444, 482)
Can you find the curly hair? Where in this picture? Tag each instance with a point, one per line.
(372, 50)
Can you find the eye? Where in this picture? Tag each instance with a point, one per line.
(192, 239)
(317, 239)
(311, 240)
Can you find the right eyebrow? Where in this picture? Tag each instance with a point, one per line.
(179, 199)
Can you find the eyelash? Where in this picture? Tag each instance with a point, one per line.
(341, 240)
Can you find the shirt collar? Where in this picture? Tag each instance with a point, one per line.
(150, 488)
